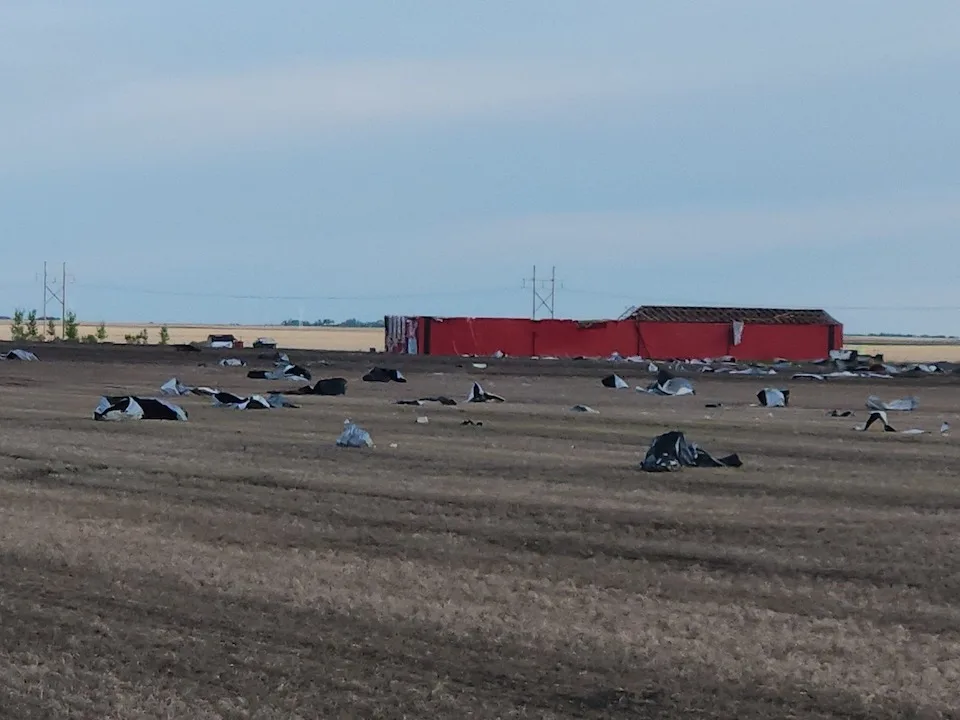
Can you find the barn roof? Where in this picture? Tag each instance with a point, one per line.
(753, 316)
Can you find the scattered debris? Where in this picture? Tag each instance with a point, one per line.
(354, 436)
(174, 387)
(18, 354)
(714, 405)
(754, 370)
(905, 404)
(615, 382)
(838, 413)
(281, 372)
(880, 416)
(478, 395)
(773, 397)
(232, 362)
(671, 451)
(186, 347)
(480, 366)
(129, 407)
(585, 409)
(478, 423)
(382, 375)
(253, 402)
(264, 342)
(442, 399)
(668, 384)
(327, 386)
(422, 420)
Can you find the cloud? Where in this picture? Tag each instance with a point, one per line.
(292, 103)
(645, 237)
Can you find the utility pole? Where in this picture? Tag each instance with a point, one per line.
(541, 297)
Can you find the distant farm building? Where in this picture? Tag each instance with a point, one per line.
(224, 341)
(651, 331)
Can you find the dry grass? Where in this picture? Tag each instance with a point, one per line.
(309, 338)
(239, 565)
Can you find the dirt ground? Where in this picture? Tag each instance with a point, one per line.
(241, 566)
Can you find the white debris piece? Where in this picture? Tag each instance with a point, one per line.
(354, 436)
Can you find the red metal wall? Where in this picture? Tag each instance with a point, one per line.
(760, 342)
(655, 340)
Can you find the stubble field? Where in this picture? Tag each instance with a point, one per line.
(241, 566)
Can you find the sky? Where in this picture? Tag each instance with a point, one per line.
(247, 162)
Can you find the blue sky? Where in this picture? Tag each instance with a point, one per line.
(247, 162)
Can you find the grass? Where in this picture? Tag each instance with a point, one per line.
(240, 565)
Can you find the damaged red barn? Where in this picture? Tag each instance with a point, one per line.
(658, 332)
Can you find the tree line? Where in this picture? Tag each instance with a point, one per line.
(327, 322)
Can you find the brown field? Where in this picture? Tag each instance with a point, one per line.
(241, 566)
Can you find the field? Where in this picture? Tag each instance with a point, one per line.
(309, 338)
(240, 565)
(895, 349)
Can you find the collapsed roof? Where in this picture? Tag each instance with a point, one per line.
(130, 407)
(751, 316)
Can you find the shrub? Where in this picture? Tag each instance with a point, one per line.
(70, 329)
(141, 338)
(164, 335)
(90, 339)
(51, 328)
(33, 332)
(18, 332)
(101, 332)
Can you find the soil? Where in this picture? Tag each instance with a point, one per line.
(239, 565)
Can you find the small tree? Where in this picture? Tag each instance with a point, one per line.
(164, 335)
(51, 328)
(71, 330)
(101, 332)
(18, 332)
(33, 331)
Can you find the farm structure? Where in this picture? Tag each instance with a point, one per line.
(651, 331)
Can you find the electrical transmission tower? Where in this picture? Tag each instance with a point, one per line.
(55, 289)
(544, 293)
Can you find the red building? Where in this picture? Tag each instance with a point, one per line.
(650, 331)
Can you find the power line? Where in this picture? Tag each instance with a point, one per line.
(543, 291)
(831, 306)
(233, 296)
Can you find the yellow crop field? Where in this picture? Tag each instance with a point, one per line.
(306, 338)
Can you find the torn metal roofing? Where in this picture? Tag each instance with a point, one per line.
(752, 316)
